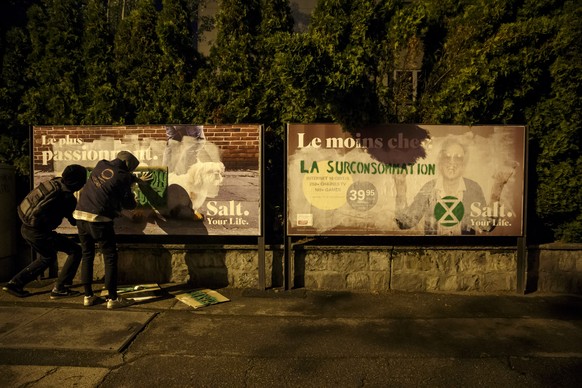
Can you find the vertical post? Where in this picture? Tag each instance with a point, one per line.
(289, 265)
(522, 254)
(521, 265)
(288, 270)
(261, 241)
(31, 176)
(262, 269)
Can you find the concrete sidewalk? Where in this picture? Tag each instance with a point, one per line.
(293, 338)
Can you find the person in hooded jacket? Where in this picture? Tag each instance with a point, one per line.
(107, 191)
(45, 241)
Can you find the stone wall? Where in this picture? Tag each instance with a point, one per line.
(555, 268)
(552, 268)
(407, 269)
(202, 266)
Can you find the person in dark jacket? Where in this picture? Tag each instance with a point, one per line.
(41, 236)
(107, 191)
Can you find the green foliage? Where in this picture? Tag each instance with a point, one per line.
(138, 65)
(135, 61)
(346, 46)
(11, 86)
(14, 47)
(229, 95)
(507, 62)
(14, 153)
(99, 93)
(556, 131)
(179, 62)
(54, 69)
(276, 27)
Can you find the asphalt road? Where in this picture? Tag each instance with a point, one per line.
(293, 338)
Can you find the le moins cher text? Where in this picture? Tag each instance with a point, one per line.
(357, 141)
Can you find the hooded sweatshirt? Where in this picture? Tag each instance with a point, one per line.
(108, 190)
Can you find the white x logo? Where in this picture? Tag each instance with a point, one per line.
(449, 204)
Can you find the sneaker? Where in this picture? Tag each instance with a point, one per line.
(15, 290)
(118, 303)
(64, 293)
(91, 300)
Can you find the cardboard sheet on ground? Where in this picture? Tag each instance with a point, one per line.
(201, 297)
(137, 292)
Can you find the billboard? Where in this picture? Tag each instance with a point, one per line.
(206, 178)
(404, 179)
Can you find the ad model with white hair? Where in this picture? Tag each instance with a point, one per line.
(205, 179)
(404, 179)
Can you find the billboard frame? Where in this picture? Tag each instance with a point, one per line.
(258, 238)
(520, 241)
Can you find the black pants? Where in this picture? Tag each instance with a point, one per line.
(103, 234)
(47, 244)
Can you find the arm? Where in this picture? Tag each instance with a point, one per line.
(128, 198)
(409, 216)
(67, 206)
(400, 186)
(126, 195)
(500, 179)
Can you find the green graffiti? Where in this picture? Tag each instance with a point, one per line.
(449, 211)
(154, 194)
(203, 298)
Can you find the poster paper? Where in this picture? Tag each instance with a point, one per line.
(206, 178)
(405, 180)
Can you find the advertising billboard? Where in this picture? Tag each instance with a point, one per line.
(404, 179)
(206, 178)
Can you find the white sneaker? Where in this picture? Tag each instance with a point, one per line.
(91, 300)
(119, 302)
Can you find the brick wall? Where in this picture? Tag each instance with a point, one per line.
(239, 144)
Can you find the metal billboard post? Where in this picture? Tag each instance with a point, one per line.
(522, 253)
(288, 274)
(261, 240)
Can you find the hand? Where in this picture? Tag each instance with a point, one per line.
(501, 177)
(144, 177)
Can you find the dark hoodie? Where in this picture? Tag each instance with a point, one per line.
(108, 189)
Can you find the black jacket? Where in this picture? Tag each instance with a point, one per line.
(51, 214)
(108, 190)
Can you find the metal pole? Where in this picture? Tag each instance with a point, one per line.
(261, 241)
(522, 253)
(287, 240)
